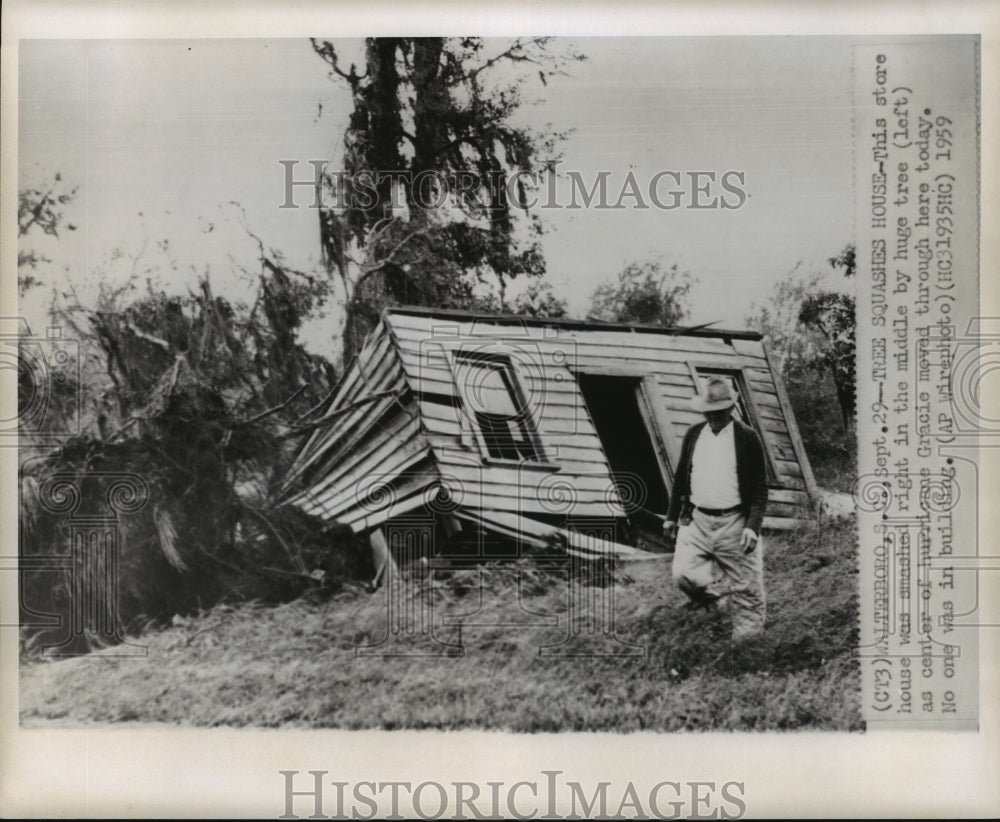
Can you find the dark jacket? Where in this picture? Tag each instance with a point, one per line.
(750, 469)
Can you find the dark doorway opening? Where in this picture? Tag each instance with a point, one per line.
(617, 407)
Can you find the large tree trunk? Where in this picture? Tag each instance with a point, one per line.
(385, 125)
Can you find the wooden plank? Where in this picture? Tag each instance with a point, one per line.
(596, 359)
(748, 348)
(340, 424)
(442, 417)
(436, 375)
(415, 327)
(326, 437)
(401, 468)
(524, 481)
(411, 496)
(783, 509)
(793, 432)
(796, 483)
(555, 380)
(780, 438)
(674, 384)
(353, 383)
(439, 442)
(512, 481)
(603, 362)
(639, 345)
(769, 412)
(655, 363)
(767, 400)
(566, 454)
(566, 421)
(783, 523)
(572, 449)
(793, 497)
(380, 439)
(377, 445)
(521, 527)
(432, 359)
(551, 427)
(758, 371)
(773, 426)
(554, 326)
(377, 334)
(412, 328)
(573, 432)
(360, 426)
(552, 391)
(678, 398)
(584, 508)
(403, 323)
(311, 441)
(370, 432)
(667, 445)
(780, 442)
(787, 468)
(782, 452)
(762, 386)
(355, 485)
(335, 439)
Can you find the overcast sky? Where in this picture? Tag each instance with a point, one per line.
(161, 136)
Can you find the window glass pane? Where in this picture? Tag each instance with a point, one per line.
(489, 392)
(498, 436)
(484, 389)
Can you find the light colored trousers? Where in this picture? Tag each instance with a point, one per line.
(709, 565)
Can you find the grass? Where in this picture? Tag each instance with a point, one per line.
(831, 448)
(835, 469)
(295, 665)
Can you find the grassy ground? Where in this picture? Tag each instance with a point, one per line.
(295, 665)
(836, 469)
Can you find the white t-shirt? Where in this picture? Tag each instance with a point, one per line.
(714, 482)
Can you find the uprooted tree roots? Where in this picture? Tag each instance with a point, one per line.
(116, 536)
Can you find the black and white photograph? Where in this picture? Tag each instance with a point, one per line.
(420, 421)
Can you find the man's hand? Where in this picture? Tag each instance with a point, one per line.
(670, 532)
(748, 542)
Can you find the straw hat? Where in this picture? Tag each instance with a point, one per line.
(718, 395)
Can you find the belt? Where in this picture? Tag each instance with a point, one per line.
(719, 512)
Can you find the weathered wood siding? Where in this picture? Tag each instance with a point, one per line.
(548, 358)
(373, 461)
(577, 481)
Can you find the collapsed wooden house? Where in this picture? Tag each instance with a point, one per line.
(534, 430)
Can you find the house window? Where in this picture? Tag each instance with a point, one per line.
(743, 410)
(494, 400)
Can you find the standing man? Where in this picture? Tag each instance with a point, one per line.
(719, 497)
